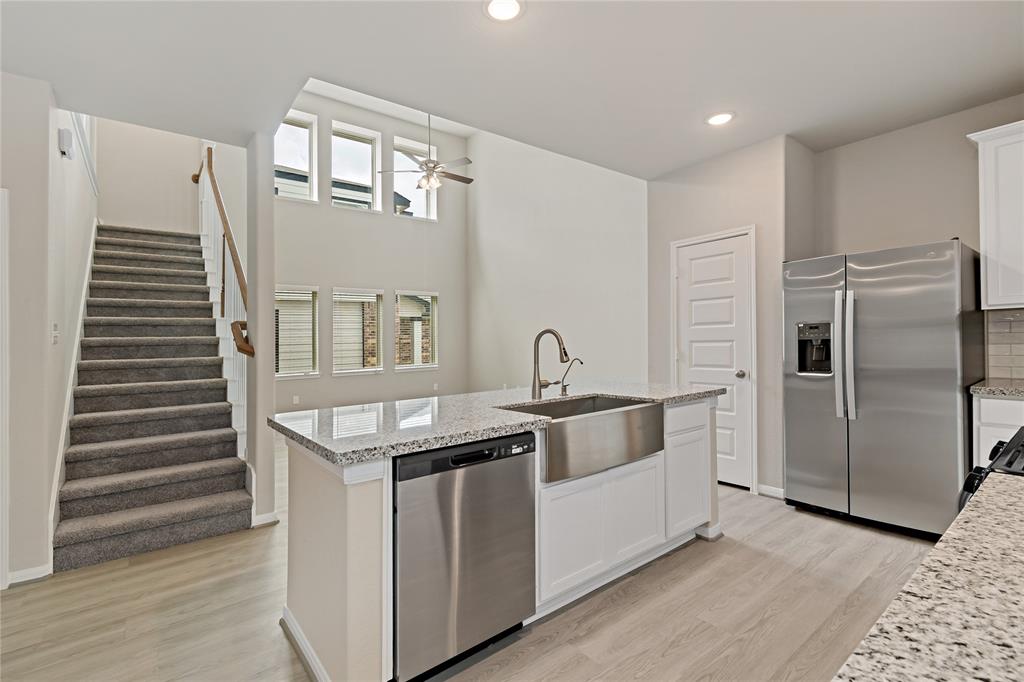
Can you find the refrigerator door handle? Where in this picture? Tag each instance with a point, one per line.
(837, 355)
(851, 393)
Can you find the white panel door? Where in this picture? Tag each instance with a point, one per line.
(686, 480)
(572, 534)
(635, 511)
(713, 340)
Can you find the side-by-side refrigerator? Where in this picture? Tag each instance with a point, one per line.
(880, 349)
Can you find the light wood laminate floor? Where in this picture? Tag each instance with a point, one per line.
(784, 595)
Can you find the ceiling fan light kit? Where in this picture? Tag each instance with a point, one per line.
(432, 169)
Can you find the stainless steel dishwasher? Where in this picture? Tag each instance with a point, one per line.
(464, 549)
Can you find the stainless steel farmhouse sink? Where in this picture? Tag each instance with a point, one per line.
(591, 434)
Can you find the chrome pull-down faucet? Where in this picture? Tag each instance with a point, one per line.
(563, 357)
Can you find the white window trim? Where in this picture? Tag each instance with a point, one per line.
(302, 289)
(380, 330)
(309, 122)
(437, 331)
(404, 143)
(375, 138)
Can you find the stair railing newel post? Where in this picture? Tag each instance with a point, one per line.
(238, 327)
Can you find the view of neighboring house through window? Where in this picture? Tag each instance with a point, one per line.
(415, 329)
(410, 200)
(356, 326)
(295, 157)
(354, 160)
(295, 331)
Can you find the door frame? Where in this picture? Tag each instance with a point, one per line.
(746, 230)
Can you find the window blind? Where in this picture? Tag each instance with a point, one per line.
(295, 330)
(356, 329)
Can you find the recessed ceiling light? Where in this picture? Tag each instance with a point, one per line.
(720, 119)
(504, 10)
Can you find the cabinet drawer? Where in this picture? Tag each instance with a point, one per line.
(685, 417)
(987, 438)
(996, 411)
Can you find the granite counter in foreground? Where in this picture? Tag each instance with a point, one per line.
(999, 388)
(351, 434)
(961, 615)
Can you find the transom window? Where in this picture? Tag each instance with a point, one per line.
(415, 329)
(410, 200)
(295, 331)
(355, 156)
(295, 157)
(356, 326)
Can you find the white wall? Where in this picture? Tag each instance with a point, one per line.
(740, 188)
(318, 244)
(554, 242)
(145, 177)
(802, 235)
(911, 186)
(52, 211)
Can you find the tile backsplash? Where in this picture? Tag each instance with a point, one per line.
(1005, 343)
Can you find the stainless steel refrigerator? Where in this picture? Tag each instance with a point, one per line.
(880, 348)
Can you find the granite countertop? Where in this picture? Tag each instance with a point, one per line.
(961, 615)
(360, 433)
(1000, 388)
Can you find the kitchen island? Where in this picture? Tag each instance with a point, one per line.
(590, 529)
(960, 616)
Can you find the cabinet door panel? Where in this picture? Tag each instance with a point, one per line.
(635, 511)
(686, 484)
(572, 538)
(1001, 172)
(987, 437)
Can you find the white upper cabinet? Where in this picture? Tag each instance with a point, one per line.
(1001, 189)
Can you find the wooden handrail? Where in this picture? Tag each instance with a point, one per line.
(237, 327)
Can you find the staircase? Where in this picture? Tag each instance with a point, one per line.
(153, 458)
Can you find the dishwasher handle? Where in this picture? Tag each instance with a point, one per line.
(467, 458)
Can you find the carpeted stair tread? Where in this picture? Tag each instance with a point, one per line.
(137, 232)
(149, 387)
(148, 478)
(123, 245)
(198, 276)
(148, 414)
(126, 446)
(145, 303)
(145, 363)
(102, 341)
(155, 261)
(163, 321)
(150, 287)
(86, 528)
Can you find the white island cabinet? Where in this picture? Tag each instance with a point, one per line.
(596, 528)
(339, 608)
(1001, 201)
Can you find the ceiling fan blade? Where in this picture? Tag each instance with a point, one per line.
(456, 178)
(456, 163)
(412, 157)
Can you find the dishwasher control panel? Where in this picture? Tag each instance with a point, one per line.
(459, 456)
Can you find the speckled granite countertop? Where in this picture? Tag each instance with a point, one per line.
(1000, 388)
(359, 433)
(961, 615)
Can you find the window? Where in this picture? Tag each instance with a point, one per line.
(355, 156)
(356, 323)
(295, 157)
(295, 331)
(410, 200)
(415, 330)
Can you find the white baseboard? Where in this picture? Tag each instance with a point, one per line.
(260, 520)
(707, 532)
(558, 601)
(305, 651)
(771, 491)
(27, 575)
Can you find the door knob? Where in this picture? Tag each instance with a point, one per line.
(740, 373)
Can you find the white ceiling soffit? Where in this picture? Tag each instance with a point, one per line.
(625, 85)
(383, 106)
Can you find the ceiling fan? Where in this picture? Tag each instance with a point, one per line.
(432, 169)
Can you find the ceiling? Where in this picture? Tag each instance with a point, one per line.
(625, 85)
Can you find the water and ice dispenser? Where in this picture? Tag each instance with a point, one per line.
(814, 347)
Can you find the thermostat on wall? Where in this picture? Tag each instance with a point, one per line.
(65, 143)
